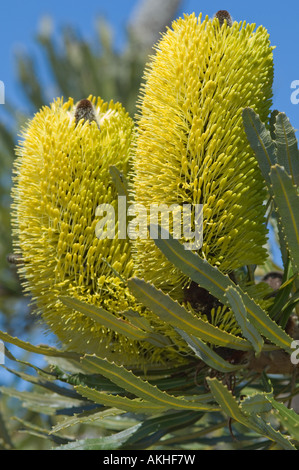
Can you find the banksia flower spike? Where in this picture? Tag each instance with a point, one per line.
(61, 176)
(191, 145)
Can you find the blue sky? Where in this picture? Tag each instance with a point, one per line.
(20, 23)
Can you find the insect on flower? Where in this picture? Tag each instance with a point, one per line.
(85, 111)
(224, 15)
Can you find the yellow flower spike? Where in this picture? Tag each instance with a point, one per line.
(61, 176)
(191, 132)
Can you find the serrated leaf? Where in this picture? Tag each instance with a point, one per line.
(272, 122)
(260, 141)
(248, 330)
(213, 280)
(287, 147)
(287, 201)
(137, 320)
(42, 402)
(153, 428)
(113, 442)
(231, 407)
(288, 308)
(227, 401)
(257, 403)
(108, 320)
(46, 384)
(288, 418)
(207, 355)
(283, 293)
(119, 402)
(44, 350)
(141, 388)
(86, 417)
(176, 315)
(267, 430)
(34, 430)
(140, 436)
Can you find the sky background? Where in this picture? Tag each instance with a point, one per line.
(20, 22)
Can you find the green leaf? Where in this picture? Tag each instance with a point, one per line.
(288, 308)
(40, 381)
(113, 442)
(231, 407)
(87, 417)
(137, 320)
(227, 401)
(176, 315)
(260, 140)
(140, 436)
(248, 330)
(257, 403)
(108, 320)
(42, 402)
(119, 402)
(207, 355)
(267, 430)
(37, 431)
(272, 122)
(287, 201)
(283, 293)
(45, 350)
(213, 280)
(287, 147)
(288, 418)
(153, 428)
(141, 388)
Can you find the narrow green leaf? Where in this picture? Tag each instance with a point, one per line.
(288, 418)
(272, 122)
(231, 407)
(227, 401)
(176, 315)
(248, 330)
(288, 309)
(87, 417)
(113, 442)
(210, 278)
(267, 430)
(287, 201)
(137, 320)
(141, 388)
(37, 431)
(283, 293)
(40, 381)
(207, 355)
(260, 140)
(108, 320)
(42, 402)
(287, 147)
(257, 403)
(153, 428)
(44, 350)
(122, 403)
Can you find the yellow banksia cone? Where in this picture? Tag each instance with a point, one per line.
(191, 146)
(61, 176)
